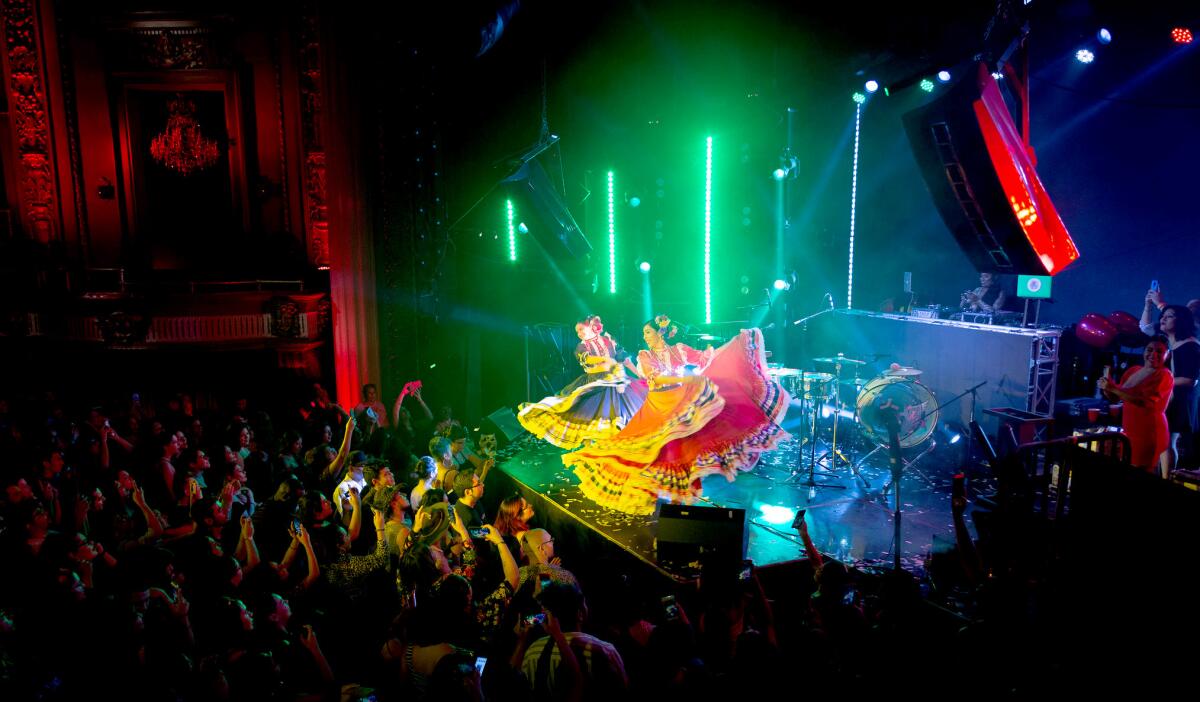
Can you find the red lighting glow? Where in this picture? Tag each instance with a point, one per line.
(1181, 35)
(1031, 203)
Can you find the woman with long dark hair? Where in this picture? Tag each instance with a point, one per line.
(1179, 326)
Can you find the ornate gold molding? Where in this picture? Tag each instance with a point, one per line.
(30, 120)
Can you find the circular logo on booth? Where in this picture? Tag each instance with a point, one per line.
(1033, 285)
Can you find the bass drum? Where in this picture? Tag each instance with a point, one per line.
(916, 410)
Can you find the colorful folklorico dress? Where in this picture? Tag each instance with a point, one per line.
(691, 426)
(595, 406)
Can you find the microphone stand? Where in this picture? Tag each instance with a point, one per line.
(802, 320)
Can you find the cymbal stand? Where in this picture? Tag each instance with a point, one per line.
(834, 455)
(798, 470)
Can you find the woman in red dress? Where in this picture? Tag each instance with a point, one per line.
(707, 412)
(1146, 391)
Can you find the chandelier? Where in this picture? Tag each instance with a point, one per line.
(181, 147)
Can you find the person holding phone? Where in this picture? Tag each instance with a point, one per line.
(601, 669)
(987, 298)
(1179, 326)
(1146, 391)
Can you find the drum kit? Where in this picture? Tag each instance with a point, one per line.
(860, 407)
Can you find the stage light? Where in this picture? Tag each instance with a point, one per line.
(1104, 36)
(635, 201)
(1181, 35)
(779, 174)
(781, 285)
(998, 75)
(872, 86)
(1084, 56)
(955, 438)
(944, 76)
(774, 514)
(860, 98)
(644, 266)
(523, 228)
(612, 235)
(927, 85)
(512, 232)
(853, 209)
(708, 160)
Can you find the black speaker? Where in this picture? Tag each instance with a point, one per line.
(983, 182)
(505, 422)
(540, 208)
(688, 532)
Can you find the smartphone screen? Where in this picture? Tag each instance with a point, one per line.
(1154, 285)
(799, 518)
(477, 532)
(480, 663)
(539, 618)
(670, 608)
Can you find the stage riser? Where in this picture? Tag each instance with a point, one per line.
(953, 356)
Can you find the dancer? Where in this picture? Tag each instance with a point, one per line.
(707, 412)
(598, 403)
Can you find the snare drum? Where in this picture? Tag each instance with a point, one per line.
(803, 384)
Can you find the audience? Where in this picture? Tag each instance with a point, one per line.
(191, 566)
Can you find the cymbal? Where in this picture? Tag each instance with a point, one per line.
(840, 359)
(904, 372)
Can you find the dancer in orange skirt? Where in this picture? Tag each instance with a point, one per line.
(707, 412)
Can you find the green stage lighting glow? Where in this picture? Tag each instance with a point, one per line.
(612, 236)
(927, 85)
(860, 98)
(512, 233)
(708, 160)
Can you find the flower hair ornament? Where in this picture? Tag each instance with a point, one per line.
(665, 327)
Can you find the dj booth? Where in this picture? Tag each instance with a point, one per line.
(1017, 364)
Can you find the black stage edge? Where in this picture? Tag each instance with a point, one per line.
(852, 523)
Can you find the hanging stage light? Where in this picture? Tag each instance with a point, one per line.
(1084, 56)
(860, 98)
(1104, 36)
(872, 86)
(927, 85)
(1181, 35)
(944, 76)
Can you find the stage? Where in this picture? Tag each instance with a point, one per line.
(852, 523)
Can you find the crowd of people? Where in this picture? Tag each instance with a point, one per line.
(159, 550)
(1159, 397)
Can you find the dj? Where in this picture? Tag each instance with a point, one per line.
(987, 298)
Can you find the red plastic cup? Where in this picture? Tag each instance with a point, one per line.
(1093, 414)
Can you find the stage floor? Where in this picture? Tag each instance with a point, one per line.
(853, 523)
